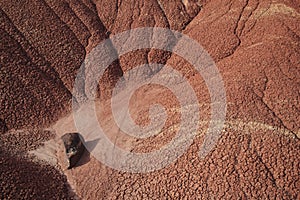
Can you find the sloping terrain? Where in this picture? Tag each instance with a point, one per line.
(255, 45)
(21, 178)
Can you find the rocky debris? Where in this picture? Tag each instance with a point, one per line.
(74, 148)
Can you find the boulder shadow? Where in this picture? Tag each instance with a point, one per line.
(86, 156)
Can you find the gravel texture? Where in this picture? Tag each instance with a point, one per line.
(255, 45)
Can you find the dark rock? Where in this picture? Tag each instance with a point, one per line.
(74, 148)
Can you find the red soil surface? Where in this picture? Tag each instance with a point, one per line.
(256, 47)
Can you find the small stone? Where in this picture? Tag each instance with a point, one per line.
(74, 148)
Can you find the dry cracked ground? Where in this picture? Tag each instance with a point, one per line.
(255, 45)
